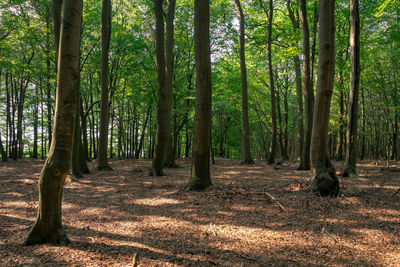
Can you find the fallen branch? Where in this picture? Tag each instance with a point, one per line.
(271, 197)
(398, 190)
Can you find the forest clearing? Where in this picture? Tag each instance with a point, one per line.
(111, 216)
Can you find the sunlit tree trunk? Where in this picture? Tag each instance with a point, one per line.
(246, 155)
(308, 90)
(200, 177)
(323, 177)
(48, 226)
(351, 134)
(102, 162)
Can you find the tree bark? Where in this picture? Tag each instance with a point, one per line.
(270, 13)
(351, 134)
(308, 90)
(48, 226)
(169, 158)
(323, 177)
(200, 176)
(246, 154)
(102, 163)
(163, 109)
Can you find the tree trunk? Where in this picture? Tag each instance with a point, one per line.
(102, 163)
(299, 89)
(308, 90)
(164, 94)
(200, 177)
(48, 226)
(246, 154)
(364, 132)
(351, 134)
(36, 121)
(140, 146)
(323, 177)
(169, 157)
(272, 151)
(339, 155)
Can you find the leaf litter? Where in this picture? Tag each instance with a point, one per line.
(253, 215)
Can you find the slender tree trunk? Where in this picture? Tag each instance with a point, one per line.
(364, 132)
(140, 146)
(200, 177)
(36, 122)
(339, 155)
(351, 134)
(246, 154)
(169, 158)
(323, 177)
(299, 89)
(164, 97)
(270, 13)
(102, 163)
(48, 226)
(308, 90)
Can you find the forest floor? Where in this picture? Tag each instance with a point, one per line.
(116, 217)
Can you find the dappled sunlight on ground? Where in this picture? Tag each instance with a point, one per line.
(110, 216)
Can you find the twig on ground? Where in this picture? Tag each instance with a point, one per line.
(395, 193)
(271, 197)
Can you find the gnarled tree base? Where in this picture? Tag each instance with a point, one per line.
(39, 234)
(325, 182)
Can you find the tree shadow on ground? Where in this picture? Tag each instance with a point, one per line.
(111, 215)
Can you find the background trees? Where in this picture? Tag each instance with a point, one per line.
(28, 79)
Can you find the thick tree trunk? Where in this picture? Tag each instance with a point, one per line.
(308, 90)
(102, 163)
(246, 155)
(200, 177)
(48, 226)
(351, 134)
(323, 177)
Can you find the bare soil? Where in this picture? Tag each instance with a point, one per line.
(116, 217)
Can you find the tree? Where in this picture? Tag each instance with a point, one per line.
(308, 90)
(351, 134)
(102, 163)
(48, 226)
(323, 177)
(299, 89)
(200, 177)
(169, 160)
(269, 13)
(164, 74)
(246, 155)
